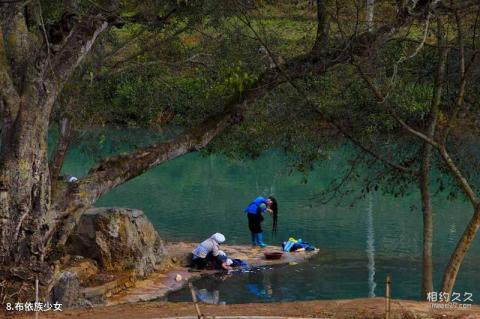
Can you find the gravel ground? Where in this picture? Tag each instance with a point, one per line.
(342, 309)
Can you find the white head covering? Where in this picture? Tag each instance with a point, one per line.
(72, 179)
(221, 253)
(229, 262)
(219, 238)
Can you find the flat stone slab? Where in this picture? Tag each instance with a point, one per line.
(159, 284)
(254, 256)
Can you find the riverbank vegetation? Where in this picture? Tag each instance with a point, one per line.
(397, 80)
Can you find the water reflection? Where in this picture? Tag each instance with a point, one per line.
(206, 296)
(259, 284)
(452, 234)
(370, 248)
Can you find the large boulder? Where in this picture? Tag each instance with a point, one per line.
(118, 239)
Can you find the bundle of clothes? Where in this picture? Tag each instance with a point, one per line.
(293, 244)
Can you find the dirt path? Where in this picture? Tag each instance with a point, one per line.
(342, 309)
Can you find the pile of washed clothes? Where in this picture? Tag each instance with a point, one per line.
(293, 244)
(239, 263)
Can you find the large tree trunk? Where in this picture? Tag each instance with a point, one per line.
(31, 78)
(464, 243)
(456, 259)
(424, 178)
(24, 176)
(26, 193)
(427, 267)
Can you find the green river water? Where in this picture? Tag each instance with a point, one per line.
(194, 196)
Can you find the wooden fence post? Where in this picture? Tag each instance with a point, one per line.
(388, 293)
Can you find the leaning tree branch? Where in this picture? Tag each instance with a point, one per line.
(69, 204)
(111, 172)
(116, 170)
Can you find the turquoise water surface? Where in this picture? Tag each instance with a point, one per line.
(194, 196)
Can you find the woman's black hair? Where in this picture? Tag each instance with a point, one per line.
(274, 208)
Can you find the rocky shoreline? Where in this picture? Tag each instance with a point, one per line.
(177, 275)
(116, 256)
(109, 251)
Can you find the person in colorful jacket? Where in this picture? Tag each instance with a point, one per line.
(255, 211)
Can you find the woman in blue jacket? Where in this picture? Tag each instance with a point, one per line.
(254, 212)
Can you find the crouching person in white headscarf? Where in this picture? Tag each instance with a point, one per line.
(209, 251)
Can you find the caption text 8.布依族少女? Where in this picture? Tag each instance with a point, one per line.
(33, 306)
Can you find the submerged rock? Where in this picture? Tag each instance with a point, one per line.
(118, 239)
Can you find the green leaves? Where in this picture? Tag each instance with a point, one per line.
(414, 99)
